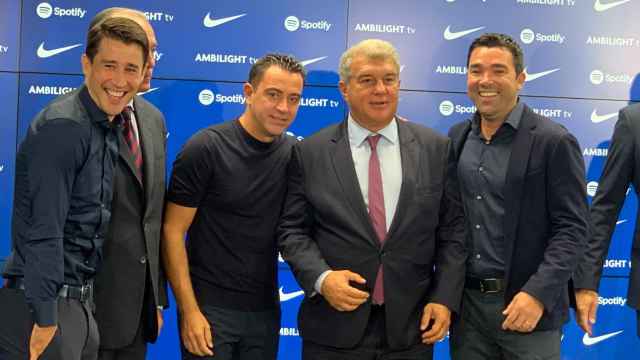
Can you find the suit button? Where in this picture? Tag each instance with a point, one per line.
(143, 260)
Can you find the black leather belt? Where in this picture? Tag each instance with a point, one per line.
(83, 293)
(487, 286)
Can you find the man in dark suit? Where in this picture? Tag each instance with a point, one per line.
(130, 285)
(372, 226)
(522, 183)
(620, 171)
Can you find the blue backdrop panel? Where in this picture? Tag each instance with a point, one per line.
(605, 67)
(9, 33)
(205, 40)
(9, 106)
(614, 334)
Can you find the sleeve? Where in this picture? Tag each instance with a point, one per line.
(606, 205)
(192, 171)
(450, 236)
(51, 166)
(295, 229)
(568, 214)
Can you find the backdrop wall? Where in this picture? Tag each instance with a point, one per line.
(582, 58)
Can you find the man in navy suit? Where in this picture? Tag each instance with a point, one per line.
(372, 226)
(620, 171)
(522, 184)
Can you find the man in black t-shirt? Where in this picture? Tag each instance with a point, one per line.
(226, 193)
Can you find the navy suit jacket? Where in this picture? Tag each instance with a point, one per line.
(621, 170)
(545, 221)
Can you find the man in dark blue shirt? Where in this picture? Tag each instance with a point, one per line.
(62, 202)
(523, 190)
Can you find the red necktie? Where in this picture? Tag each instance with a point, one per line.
(376, 210)
(130, 138)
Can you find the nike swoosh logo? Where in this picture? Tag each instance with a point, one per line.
(600, 7)
(311, 61)
(288, 296)
(595, 118)
(148, 91)
(588, 340)
(44, 53)
(621, 221)
(449, 35)
(534, 76)
(209, 22)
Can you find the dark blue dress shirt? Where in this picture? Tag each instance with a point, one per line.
(62, 200)
(482, 170)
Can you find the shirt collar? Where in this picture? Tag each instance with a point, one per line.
(513, 119)
(358, 134)
(95, 113)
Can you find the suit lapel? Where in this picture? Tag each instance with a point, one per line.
(410, 159)
(344, 168)
(147, 144)
(514, 181)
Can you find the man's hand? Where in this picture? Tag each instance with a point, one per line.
(196, 333)
(441, 316)
(523, 313)
(160, 321)
(40, 339)
(340, 294)
(586, 307)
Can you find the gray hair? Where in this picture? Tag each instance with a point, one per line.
(375, 49)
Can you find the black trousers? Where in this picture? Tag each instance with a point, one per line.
(76, 338)
(373, 345)
(241, 335)
(148, 326)
(477, 334)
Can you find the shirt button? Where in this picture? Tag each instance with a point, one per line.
(480, 169)
(479, 197)
(102, 206)
(478, 256)
(143, 260)
(477, 226)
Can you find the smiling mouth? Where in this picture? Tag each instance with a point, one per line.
(115, 93)
(487, 93)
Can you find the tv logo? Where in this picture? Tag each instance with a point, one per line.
(446, 108)
(292, 23)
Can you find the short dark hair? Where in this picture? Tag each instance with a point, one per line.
(503, 41)
(285, 62)
(117, 28)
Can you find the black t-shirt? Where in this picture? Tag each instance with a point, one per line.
(238, 185)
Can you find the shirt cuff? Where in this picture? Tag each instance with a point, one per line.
(318, 285)
(45, 313)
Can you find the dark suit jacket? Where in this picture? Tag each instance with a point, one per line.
(621, 170)
(325, 225)
(545, 221)
(132, 246)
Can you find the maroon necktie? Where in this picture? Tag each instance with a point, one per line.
(376, 210)
(130, 138)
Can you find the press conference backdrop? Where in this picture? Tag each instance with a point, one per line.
(582, 59)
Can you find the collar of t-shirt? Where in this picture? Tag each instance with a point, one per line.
(253, 142)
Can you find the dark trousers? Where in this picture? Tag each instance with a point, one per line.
(241, 335)
(477, 334)
(372, 346)
(137, 350)
(76, 338)
(147, 326)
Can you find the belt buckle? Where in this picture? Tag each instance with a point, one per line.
(85, 292)
(488, 291)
